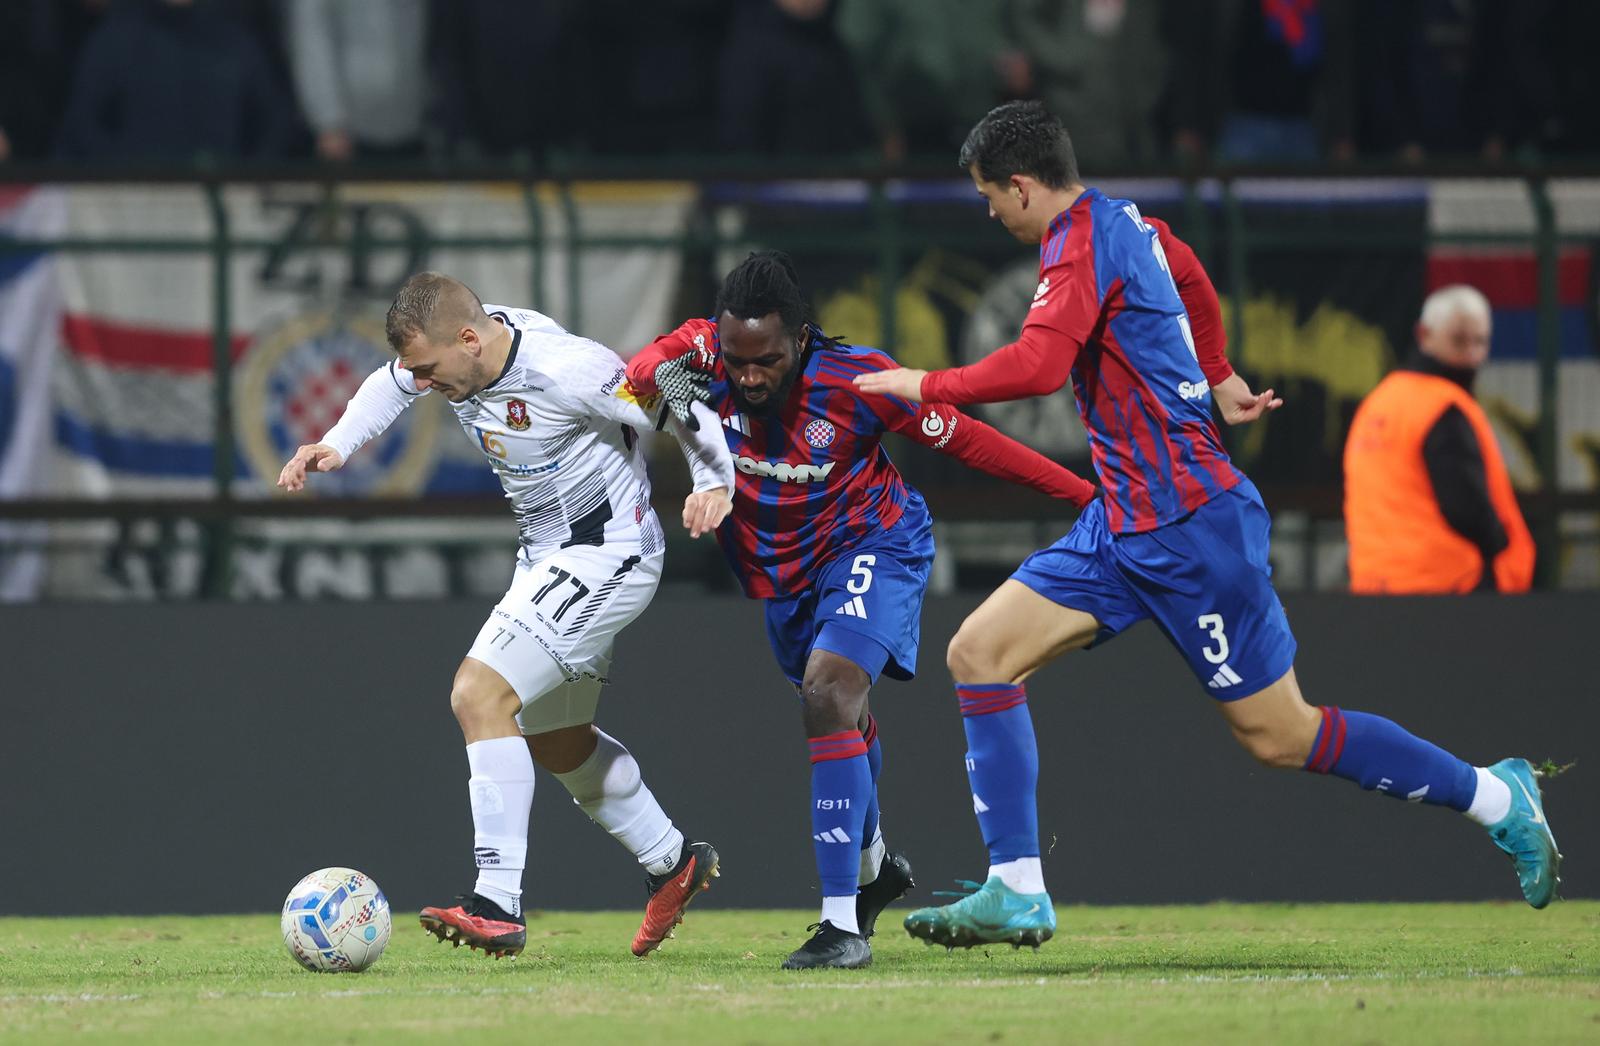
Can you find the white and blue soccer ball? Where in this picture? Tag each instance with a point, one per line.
(336, 920)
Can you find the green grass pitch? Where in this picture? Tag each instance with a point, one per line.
(1386, 973)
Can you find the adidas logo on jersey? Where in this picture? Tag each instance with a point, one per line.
(1224, 678)
(832, 835)
(738, 423)
(782, 471)
(853, 608)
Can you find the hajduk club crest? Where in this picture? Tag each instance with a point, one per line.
(517, 415)
(819, 433)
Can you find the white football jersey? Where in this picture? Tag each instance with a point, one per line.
(559, 426)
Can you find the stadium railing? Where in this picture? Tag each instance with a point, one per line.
(1219, 210)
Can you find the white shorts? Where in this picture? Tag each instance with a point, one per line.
(550, 637)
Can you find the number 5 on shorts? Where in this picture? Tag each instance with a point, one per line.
(861, 574)
(1212, 623)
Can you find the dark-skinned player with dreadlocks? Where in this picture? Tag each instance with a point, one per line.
(826, 533)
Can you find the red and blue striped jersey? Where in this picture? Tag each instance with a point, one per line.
(814, 474)
(813, 479)
(1108, 307)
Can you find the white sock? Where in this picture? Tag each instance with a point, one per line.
(841, 911)
(501, 790)
(609, 788)
(1024, 875)
(1492, 801)
(872, 857)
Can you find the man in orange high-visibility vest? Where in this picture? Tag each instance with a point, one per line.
(1428, 503)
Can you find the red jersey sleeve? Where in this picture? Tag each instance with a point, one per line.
(693, 336)
(980, 446)
(1200, 299)
(1065, 309)
(942, 427)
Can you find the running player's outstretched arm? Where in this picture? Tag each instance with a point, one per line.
(383, 397)
(1063, 313)
(987, 449)
(696, 338)
(968, 440)
(678, 367)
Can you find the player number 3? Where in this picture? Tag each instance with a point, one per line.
(1212, 623)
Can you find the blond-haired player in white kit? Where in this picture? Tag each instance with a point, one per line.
(553, 414)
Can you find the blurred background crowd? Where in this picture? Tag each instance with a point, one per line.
(1138, 82)
(207, 205)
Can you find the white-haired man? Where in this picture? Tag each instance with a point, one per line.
(1428, 504)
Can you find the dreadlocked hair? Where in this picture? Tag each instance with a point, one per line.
(764, 283)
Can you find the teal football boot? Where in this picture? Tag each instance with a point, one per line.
(989, 914)
(1525, 835)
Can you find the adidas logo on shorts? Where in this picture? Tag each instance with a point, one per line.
(1224, 678)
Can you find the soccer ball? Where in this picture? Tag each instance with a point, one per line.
(336, 920)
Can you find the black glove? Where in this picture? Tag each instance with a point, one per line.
(681, 384)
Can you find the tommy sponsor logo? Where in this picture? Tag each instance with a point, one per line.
(938, 429)
(853, 608)
(820, 433)
(782, 471)
(1040, 292)
(832, 835)
(738, 423)
(1224, 678)
(517, 415)
(1194, 390)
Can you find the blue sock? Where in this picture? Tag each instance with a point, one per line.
(1003, 766)
(841, 787)
(1379, 755)
(869, 826)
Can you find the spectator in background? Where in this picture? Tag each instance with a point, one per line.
(1428, 505)
(1427, 73)
(361, 72)
(654, 101)
(39, 45)
(171, 79)
(787, 86)
(929, 70)
(1277, 72)
(538, 101)
(1099, 65)
(1479, 77)
(28, 108)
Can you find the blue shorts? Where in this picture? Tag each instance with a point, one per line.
(864, 605)
(1204, 580)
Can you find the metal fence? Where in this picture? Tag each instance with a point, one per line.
(875, 234)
